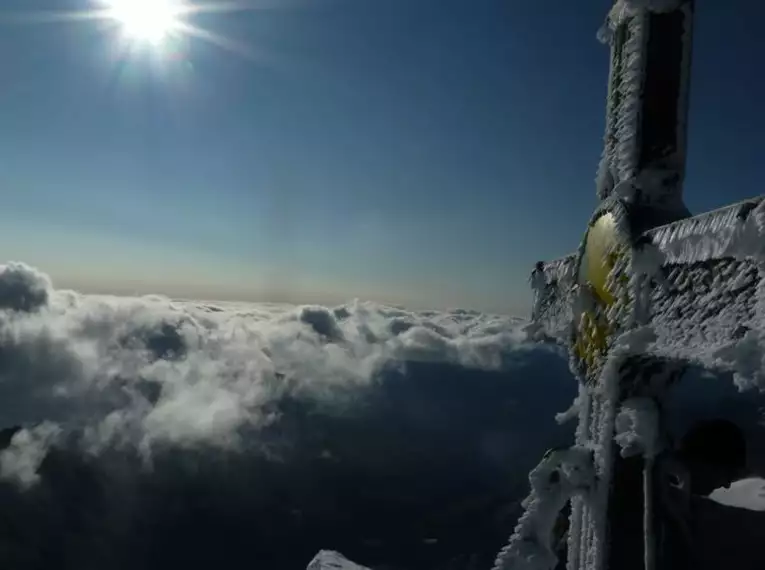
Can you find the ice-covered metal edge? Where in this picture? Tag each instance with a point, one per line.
(733, 231)
(623, 9)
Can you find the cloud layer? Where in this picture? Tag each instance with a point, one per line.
(143, 430)
(148, 371)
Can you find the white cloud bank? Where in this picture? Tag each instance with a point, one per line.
(20, 461)
(142, 372)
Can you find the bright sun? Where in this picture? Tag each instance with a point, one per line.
(145, 20)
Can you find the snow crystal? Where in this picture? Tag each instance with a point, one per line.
(637, 426)
(605, 178)
(733, 231)
(554, 313)
(628, 112)
(709, 305)
(647, 260)
(645, 267)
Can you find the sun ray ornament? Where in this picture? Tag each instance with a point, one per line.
(650, 291)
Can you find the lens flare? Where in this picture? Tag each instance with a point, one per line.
(148, 21)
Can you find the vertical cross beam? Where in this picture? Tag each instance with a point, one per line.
(647, 106)
(640, 185)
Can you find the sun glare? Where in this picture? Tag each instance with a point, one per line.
(145, 20)
(165, 26)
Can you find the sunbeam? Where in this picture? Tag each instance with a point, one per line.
(145, 20)
(149, 23)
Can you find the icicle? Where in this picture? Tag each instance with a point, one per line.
(637, 432)
(577, 529)
(649, 538)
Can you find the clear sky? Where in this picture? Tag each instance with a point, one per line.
(425, 152)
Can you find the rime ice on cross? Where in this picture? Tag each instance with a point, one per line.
(650, 290)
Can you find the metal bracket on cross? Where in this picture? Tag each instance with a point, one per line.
(651, 288)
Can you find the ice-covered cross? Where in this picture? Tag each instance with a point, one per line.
(650, 291)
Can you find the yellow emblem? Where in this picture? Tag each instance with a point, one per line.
(602, 250)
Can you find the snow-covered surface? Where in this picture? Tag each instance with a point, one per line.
(689, 292)
(623, 9)
(652, 5)
(645, 266)
(710, 317)
(596, 431)
(561, 475)
(709, 310)
(734, 231)
(620, 155)
(331, 560)
(627, 30)
(626, 151)
(697, 295)
(699, 284)
(555, 311)
(637, 425)
(745, 494)
(634, 425)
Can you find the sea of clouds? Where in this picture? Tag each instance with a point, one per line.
(149, 431)
(150, 372)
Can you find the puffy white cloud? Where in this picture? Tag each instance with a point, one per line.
(146, 371)
(22, 288)
(20, 461)
(143, 428)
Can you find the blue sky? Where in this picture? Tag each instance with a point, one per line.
(425, 152)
